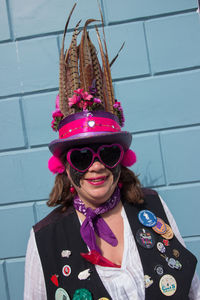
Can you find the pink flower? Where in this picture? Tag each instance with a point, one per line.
(87, 96)
(73, 100)
(79, 91)
(57, 113)
(117, 104)
(97, 100)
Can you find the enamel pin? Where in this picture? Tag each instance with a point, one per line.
(84, 274)
(82, 294)
(66, 253)
(66, 270)
(54, 279)
(168, 285)
(147, 281)
(61, 294)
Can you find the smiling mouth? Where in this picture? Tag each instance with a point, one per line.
(97, 180)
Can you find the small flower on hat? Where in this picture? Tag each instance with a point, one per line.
(57, 116)
(119, 111)
(83, 101)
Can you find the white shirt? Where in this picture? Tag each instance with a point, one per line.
(119, 282)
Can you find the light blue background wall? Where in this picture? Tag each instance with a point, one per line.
(156, 78)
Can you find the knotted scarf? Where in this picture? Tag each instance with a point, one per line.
(94, 223)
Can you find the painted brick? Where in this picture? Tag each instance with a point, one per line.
(174, 42)
(149, 162)
(183, 201)
(38, 63)
(3, 294)
(42, 210)
(27, 173)
(16, 221)
(15, 271)
(160, 102)
(4, 26)
(11, 130)
(10, 81)
(117, 10)
(194, 245)
(181, 155)
(132, 60)
(38, 116)
(48, 16)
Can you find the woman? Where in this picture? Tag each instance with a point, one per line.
(108, 238)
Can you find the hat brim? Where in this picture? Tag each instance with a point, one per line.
(59, 146)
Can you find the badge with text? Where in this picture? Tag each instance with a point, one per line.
(160, 226)
(147, 218)
(168, 285)
(168, 234)
(145, 238)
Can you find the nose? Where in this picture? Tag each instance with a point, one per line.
(96, 166)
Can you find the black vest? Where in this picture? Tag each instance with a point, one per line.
(61, 231)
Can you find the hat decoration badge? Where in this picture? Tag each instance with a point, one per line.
(86, 109)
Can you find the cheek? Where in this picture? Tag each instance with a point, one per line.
(75, 176)
(116, 172)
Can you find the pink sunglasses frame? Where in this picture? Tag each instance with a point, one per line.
(95, 154)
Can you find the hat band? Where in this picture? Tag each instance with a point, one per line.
(90, 124)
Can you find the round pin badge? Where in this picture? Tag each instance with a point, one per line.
(159, 270)
(66, 270)
(82, 294)
(145, 238)
(176, 253)
(103, 298)
(61, 294)
(168, 285)
(161, 247)
(160, 226)
(168, 234)
(147, 218)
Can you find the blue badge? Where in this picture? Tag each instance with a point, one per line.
(147, 218)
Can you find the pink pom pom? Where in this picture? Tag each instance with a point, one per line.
(55, 165)
(129, 158)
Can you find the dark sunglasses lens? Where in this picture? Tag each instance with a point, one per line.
(110, 155)
(81, 159)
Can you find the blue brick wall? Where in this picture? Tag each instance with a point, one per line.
(156, 78)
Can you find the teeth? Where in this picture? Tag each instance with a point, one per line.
(97, 180)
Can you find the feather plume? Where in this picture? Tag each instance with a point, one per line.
(73, 61)
(63, 88)
(109, 100)
(116, 56)
(98, 76)
(86, 68)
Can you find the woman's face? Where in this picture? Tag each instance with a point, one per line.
(96, 185)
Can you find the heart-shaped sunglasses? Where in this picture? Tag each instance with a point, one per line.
(81, 159)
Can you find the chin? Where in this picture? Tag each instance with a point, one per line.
(102, 194)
